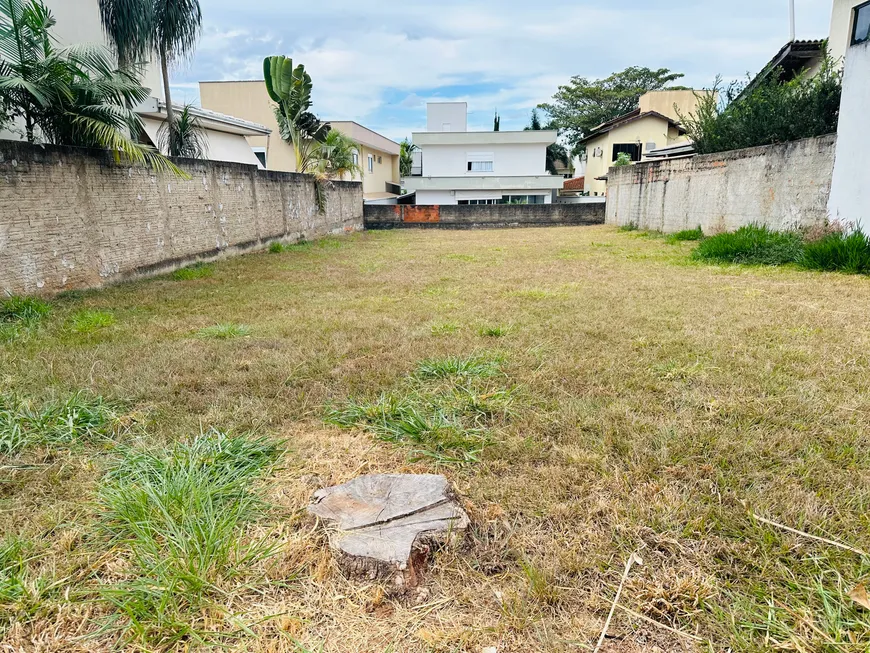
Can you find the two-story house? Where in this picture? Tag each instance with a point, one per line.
(457, 166)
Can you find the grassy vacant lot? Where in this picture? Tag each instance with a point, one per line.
(592, 393)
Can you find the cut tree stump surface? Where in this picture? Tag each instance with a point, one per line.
(384, 522)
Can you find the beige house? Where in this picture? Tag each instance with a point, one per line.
(378, 156)
(653, 125)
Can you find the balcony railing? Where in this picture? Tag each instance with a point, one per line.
(395, 189)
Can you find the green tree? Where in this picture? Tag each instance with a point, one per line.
(139, 28)
(496, 123)
(72, 96)
(555, 152)
(583, 104)
(406, 157)
(290, 90)
(337, 156)
(187, 139)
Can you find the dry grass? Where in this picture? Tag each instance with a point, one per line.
(655, 403)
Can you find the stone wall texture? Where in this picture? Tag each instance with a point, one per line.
(72, 218)
(481, 216)
(782, 186)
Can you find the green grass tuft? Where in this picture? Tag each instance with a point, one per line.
(180, 516)
(195, 271)
(85, 321)
(756, 245)
(79, 419)
(26, 310)
(445, 329)
(849, 253)
(276, 248)
(439, 368)
(497, 331)
(631, 226)
(224, 332)
(686, 235)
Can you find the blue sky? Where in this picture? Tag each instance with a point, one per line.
(379, 62)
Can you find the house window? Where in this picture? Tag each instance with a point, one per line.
(861, 30)
(371, 163)
(632, 149)
(355, 159)
(260, 153)
(480, 166)
(479, 202)
(523, 199)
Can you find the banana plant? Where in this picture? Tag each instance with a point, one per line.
(290, 90)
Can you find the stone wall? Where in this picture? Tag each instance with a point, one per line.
(480, 216)
(781, 186)
(72, 218)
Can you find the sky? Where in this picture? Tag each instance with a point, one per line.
(379, 62)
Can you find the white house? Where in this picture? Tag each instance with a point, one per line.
(78, 21)
(456, 166)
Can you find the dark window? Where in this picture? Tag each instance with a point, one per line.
(632, 149)
(861, 30)
(261, 156)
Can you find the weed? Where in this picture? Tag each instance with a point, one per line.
(180, 515)
(542, 585)
(79, 419)
(276, 247)
(445, 329)
(24, 310)
(224, 332)
(439, 368)
(85, 321)
(752, 244)
(195, 271)
(497, 331)
(686, 234)
(849, 253)
(631, 226)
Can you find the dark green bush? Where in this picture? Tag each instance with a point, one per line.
(752, 244)
(849, 253)
(766, 112)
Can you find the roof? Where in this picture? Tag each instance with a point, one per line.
(210, 119)
(671, 151)
(627, 118)
(365, 136)
(792, 58)
(578, 183)
(529, 137)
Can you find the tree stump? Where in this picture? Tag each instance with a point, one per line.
(385, 526)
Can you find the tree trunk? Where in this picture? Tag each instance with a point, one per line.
(170, 113)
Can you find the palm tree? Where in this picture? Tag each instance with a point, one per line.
(290, 89)
(187, 139)
(73, 96)
(338, 156)
(406, 157)
(169, 28)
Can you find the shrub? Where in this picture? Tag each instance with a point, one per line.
(686, 234)
(849, 253)
(767, 112)
(622, 159)
(752, 244)
(276, 248)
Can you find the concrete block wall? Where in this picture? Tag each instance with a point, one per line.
(479, 216)
(782, 186)
(73, 218)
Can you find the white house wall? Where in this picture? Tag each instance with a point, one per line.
(850, 187)
(508, 160)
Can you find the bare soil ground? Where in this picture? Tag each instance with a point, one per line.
(653, 405)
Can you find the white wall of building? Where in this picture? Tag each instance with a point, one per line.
(850, 187)
(78, 21)
(841, 27)
(447, 117)
(513, 160)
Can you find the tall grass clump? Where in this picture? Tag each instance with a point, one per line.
(752, 244)
(686, 235)
(19, 315)
(179, 516)
(445, 412)
(79, 419)
(86, 321)
(841, 252)
(631, 226)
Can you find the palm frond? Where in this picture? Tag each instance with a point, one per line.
(188, 139)
(177, 24)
